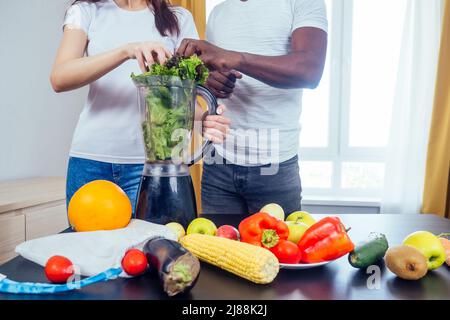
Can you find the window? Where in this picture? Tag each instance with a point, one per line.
(346, 120)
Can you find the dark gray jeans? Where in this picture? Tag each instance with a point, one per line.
(233, 189)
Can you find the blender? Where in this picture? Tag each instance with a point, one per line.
(167, 106)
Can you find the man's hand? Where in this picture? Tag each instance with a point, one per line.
(222, 83)
(214, 57)
(302, 67)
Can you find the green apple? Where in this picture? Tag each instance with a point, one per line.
(202, 226)
(177, 229)
(296, 230)
(430, 246)
(274, 210)
(302, 216)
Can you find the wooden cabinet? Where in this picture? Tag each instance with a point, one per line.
(29, 209)
(12, 233)
(45, 219)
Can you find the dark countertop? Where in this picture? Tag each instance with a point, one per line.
(335, 281)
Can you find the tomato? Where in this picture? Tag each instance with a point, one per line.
(59, 269)
(287, 252)
(134, 262)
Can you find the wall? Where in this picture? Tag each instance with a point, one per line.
(36, 125)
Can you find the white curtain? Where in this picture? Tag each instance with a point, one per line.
(413, 103)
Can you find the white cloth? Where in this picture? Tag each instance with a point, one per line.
(412, 108)
(94, 252)
(109, 126)
(270, 115)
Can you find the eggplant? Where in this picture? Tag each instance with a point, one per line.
(177, 268)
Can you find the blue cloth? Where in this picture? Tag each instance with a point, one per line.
(82, 171)
(233, 189)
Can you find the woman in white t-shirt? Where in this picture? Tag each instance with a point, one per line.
(101, 38)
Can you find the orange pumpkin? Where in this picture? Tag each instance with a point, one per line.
(99, 205)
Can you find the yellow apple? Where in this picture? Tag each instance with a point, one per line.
(202, 226)
(274, 210)
(302, 216)
(177, 229)
(430, 246)
(296, 230)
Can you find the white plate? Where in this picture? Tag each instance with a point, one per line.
(303, 266)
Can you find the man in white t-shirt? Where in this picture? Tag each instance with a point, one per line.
(263, 53)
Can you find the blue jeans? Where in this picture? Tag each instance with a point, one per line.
(233, 189)
(82, 171)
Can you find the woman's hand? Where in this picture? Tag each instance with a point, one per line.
(147, 53)
(215, 128)
(72, 70)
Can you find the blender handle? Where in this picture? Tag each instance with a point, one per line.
(212, 105)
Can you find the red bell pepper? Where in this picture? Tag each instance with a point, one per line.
(325, 241)
(263, 230)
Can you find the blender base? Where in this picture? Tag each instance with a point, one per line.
(164, 199)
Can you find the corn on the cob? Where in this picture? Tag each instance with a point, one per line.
(245, 260)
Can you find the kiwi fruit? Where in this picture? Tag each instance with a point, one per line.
(406, 262)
